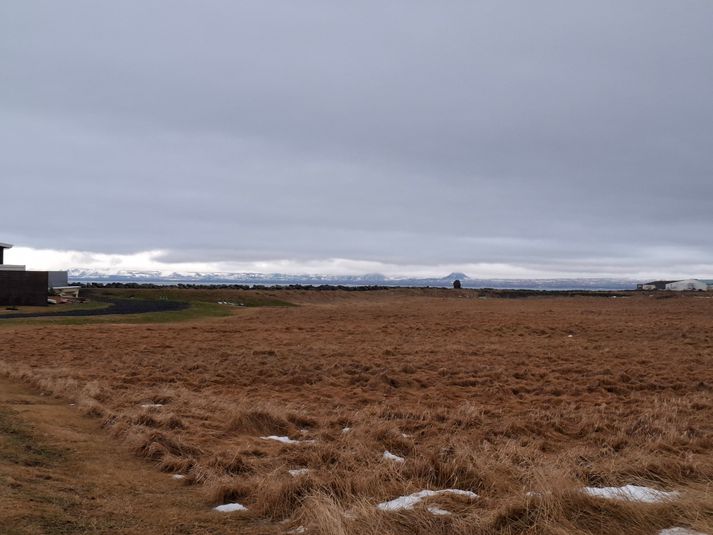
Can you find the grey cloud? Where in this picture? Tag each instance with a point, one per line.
(556, 135)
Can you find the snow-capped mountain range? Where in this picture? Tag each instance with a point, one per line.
(373, 279)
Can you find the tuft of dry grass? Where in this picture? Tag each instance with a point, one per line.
(258, 422)
(321, 515)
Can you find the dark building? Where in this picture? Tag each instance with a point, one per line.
(23, 287)
(20, 287)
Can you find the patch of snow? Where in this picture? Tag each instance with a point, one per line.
(151, 405)
(438, 512)
(299, 472)
(300, 529)
(570, 336)
(408, 502)
(346, 429)
(178, 476)
(405, 435)
(230, 507)
(632, 493)
(391, 457)
(679, 531)
(284, 440)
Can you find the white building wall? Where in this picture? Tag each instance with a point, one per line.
(687, 285)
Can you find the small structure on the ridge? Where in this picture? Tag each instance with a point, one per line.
(653, 285)
(457, 284)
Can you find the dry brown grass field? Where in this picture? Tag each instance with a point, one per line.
(521, 401)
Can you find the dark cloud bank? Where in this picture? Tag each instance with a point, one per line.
(555, 136)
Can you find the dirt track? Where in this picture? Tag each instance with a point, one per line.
(62, 474)
(500, 397)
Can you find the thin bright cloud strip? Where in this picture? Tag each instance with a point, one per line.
(152, 261)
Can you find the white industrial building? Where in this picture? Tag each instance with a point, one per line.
(688, 285)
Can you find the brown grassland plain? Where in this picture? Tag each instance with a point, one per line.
(522, 401)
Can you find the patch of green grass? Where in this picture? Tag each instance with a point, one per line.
(195, 311)
(89, 305)
(203, 304)
(247, 298)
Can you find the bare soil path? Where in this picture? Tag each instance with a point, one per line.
(60, 473)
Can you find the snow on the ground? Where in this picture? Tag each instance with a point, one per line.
(679, 531)
(300, 529)
(178, 476)
(346, 429)
(288, 440)
(299, 472)
(438, 511)
(408, 502)
(391, 457)
(151, 405)
(284, 440)
(230, 507)
(632, 493)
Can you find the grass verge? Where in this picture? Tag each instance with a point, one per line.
(203, 304)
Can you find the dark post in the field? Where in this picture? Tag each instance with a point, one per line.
(456, 284)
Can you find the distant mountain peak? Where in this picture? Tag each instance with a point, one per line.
(456, 275)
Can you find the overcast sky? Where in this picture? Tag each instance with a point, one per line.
(498, 138)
